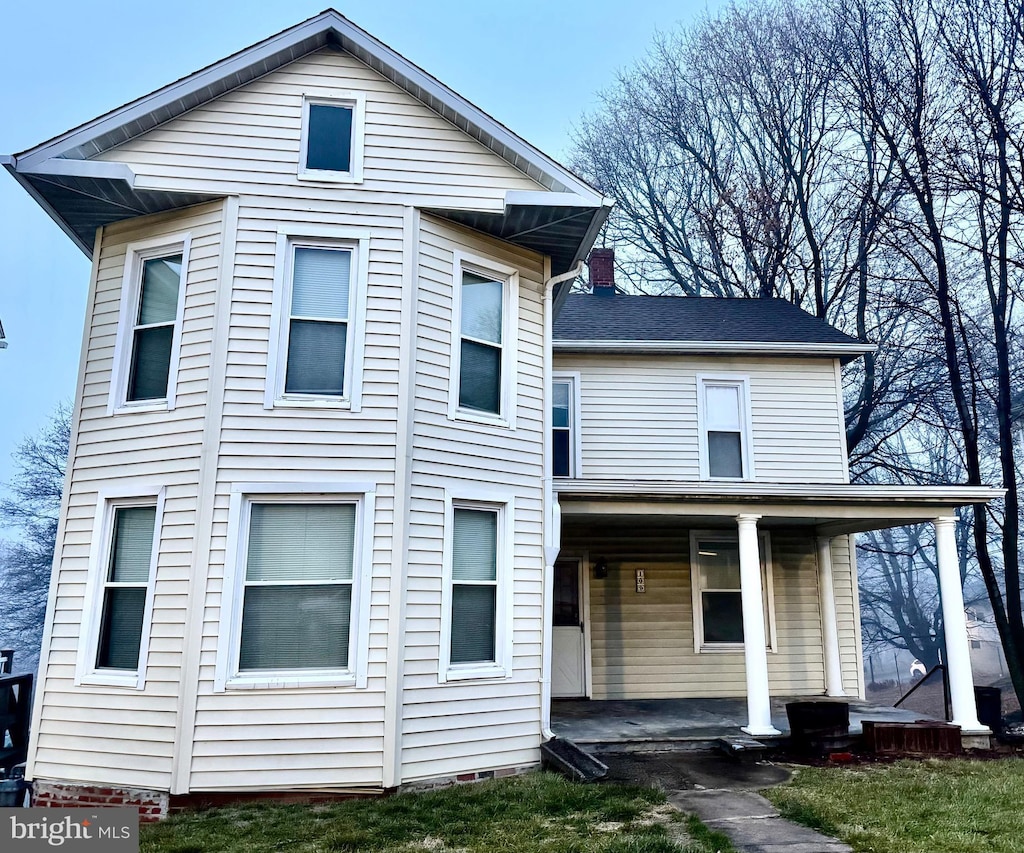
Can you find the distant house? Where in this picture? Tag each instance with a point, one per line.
(356, 485)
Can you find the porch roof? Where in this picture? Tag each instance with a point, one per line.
(831, 509)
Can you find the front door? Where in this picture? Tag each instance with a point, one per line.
(568, 649)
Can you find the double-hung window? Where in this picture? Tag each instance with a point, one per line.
(476, 632)
(332, 138)
(717, 597)
(297, 596)
(484, 349)
(149, 338)
(296, 569)
(318, 320)
(723, 404)
(565, 455)
(115, 625)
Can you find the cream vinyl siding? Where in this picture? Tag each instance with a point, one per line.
(122, 735)
(489, 723)
(638, 418)
(642, 643)
(246, 144)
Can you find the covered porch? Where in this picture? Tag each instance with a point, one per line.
(724, 601)
(641, 724)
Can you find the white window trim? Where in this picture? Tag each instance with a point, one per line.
(746, 438)
(504, 504)
(243, 495)
(575, 437)
(131, 291)
(767, 592)
(327, 237)
(506, 417)
(109, 500)
(355, 100)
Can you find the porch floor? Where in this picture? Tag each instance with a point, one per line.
(656, 721)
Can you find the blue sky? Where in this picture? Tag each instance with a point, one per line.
(535, 65)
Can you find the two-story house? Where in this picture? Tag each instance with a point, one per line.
(337, 416)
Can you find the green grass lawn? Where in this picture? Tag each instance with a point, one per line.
(538, 812)
(931, 806)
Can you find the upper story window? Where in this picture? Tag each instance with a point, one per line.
(717, 597)
(484, 349)
(297, 586)
(149, 332)
(725, 441)
(317, 322)
(119, 596)
(565, 455)
(332, 138)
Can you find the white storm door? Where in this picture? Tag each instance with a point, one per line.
(568, 650)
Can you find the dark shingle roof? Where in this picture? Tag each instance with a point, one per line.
(680, 320)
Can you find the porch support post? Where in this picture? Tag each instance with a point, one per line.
(958, 652)
(759, 712)
(829, 620)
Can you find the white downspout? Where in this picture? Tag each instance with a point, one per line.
(552, 515)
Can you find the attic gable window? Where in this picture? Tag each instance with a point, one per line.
(332, 139)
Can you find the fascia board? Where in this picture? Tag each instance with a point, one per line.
(701, 347)
(952, 495)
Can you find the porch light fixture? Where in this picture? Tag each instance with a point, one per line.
(601, 568)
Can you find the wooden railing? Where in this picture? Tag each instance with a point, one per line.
(15, 714)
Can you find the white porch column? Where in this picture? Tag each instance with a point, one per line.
(759, 712)
(829, 621)
(958, 651)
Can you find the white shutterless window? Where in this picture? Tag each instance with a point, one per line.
(725, 442)
(476, 633)
(297, 586)
(318, 321)
(484, 323)
(145, 368)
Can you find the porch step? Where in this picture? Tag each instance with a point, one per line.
(742, 747)
(570, 760)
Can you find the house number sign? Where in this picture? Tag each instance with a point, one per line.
(641, 585)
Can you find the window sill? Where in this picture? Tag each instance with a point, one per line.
(483, 418)
(284, 682)
(318, 176)
(340, 404)
(475, 671)
(728, 649)
(131, 408)
(127, 680)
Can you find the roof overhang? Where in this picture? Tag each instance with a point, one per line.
(81, 195)
(832, 510)
(845, 352)
(562, 225)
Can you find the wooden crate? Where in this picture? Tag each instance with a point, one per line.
(925, 737)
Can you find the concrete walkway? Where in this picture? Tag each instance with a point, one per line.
(723, 794)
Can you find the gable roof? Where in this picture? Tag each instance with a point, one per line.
(81, 194)
(696, 324)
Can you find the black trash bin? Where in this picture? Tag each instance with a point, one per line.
(12, 793)
(990, 707)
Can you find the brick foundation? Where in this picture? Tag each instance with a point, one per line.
(152, 805)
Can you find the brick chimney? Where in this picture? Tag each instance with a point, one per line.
(602, 271)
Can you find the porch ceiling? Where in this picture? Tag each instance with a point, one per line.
(831, 509)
